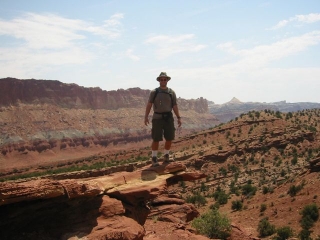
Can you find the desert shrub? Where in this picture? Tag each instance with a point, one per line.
(293, 190)
(213, 225)
(304, 234)
(203, 187)
(236, 205)
(265, 190)
(294, 161)
(310, 214)
(248, 190)
(233, 188)
(220, 196)
(223, 171)
(263, 207)
(215, 206)
(197, 199)
(306, 222)
(284, 233)
(265, 228)
(312, 211)
(278, 114)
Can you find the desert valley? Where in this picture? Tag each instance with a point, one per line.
(75, 164)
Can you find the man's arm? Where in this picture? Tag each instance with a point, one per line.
(146, 115)
(176, 112)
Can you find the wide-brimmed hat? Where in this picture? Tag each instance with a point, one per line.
(163, 74)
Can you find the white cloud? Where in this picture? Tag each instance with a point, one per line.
(129, 54)
(250, 71)
(111, 27)
(310, 18)
(26, 63)
(169, 45)
(52, 31)
(264, 54)
(48, 40)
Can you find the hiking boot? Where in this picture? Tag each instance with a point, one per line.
(155, 162)
(166, 158)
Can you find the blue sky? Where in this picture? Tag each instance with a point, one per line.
(256, 51)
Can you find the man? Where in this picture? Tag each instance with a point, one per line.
(163, 100)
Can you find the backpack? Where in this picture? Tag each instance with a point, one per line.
(169, 92)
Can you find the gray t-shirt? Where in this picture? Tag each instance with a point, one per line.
(163, 101)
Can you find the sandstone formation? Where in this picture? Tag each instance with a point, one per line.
(105, 207)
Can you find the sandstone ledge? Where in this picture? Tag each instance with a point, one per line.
(113, 206)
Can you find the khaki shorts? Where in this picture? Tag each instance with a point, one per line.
(161, 127)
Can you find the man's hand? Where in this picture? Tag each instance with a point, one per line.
(146, 121)
(179, 122)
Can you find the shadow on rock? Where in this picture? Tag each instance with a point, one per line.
(54, 219)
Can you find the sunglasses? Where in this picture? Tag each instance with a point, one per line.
(163, 80)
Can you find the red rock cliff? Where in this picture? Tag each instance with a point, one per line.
(33, 91)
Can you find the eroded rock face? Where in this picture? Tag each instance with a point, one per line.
(74, 96)
(105, 207)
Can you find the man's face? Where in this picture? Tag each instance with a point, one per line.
(163, 81)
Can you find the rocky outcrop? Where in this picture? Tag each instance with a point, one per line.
(106, 207)
(314, 164)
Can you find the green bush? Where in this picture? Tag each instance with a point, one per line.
(265, 228)
(306, 222)
(284, 233)
(310, 214)
(312, 211)
(265, 190)
(236, 205)
(249, 190)
(196, 199)
(263, 207)
(293, 190)
(203, 187)
(213, 225)
(220, 196)
(305, 234)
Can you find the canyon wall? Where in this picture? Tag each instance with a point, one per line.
(30, 91)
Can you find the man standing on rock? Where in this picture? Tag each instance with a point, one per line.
(163, 100)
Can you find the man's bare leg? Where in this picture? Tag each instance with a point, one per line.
(167, 145)
(155, 146)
